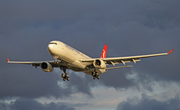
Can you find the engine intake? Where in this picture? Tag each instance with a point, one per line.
(47, 67)
(99, 64)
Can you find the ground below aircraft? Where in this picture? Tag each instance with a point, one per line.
(67, 57)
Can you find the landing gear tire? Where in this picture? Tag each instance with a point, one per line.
(64, 79)
(93, 74)
(98, 77)
(66, 74)
(96, 74)
(68, 78)
(62, 75)
(94, 77)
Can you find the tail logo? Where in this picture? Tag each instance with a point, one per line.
(104, 52)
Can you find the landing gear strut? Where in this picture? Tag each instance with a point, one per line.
(65, 75)
(95, 75)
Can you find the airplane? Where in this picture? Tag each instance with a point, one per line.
(66, 57)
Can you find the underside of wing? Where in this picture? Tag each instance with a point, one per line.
(118, 67)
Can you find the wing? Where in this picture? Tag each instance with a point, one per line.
(38, 63)
(116, 60)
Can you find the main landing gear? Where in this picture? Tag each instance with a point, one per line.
(95, 75)
(65, 75)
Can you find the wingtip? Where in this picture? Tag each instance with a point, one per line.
(170, 51)
(7, 59)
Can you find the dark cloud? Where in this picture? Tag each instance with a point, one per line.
(28, 84)
(35, 84)
(30, 104)
(117, 79)
(149, 104)
(3, 106)
(80, 84)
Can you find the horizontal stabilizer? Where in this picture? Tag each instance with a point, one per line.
(119, 67)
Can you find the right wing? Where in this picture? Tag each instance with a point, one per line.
(38, 63)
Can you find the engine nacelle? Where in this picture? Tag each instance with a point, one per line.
(47, 67)
(99, 64)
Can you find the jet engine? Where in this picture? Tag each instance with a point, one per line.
(47, 67)
(99, 64)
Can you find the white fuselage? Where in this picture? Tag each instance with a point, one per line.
(70, 56)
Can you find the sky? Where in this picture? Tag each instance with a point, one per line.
(128, 27)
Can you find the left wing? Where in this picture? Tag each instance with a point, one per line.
(116, 60)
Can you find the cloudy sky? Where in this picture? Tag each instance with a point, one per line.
(128, 27)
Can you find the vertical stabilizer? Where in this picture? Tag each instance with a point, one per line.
(104, 52)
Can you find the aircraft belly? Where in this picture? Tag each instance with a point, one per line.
(99, 71)
(78, 65)
(76, 69)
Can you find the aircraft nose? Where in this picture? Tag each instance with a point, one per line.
(50, 48)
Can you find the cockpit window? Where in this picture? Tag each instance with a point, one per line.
(52, 43)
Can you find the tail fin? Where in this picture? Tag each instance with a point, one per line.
(104, 52)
